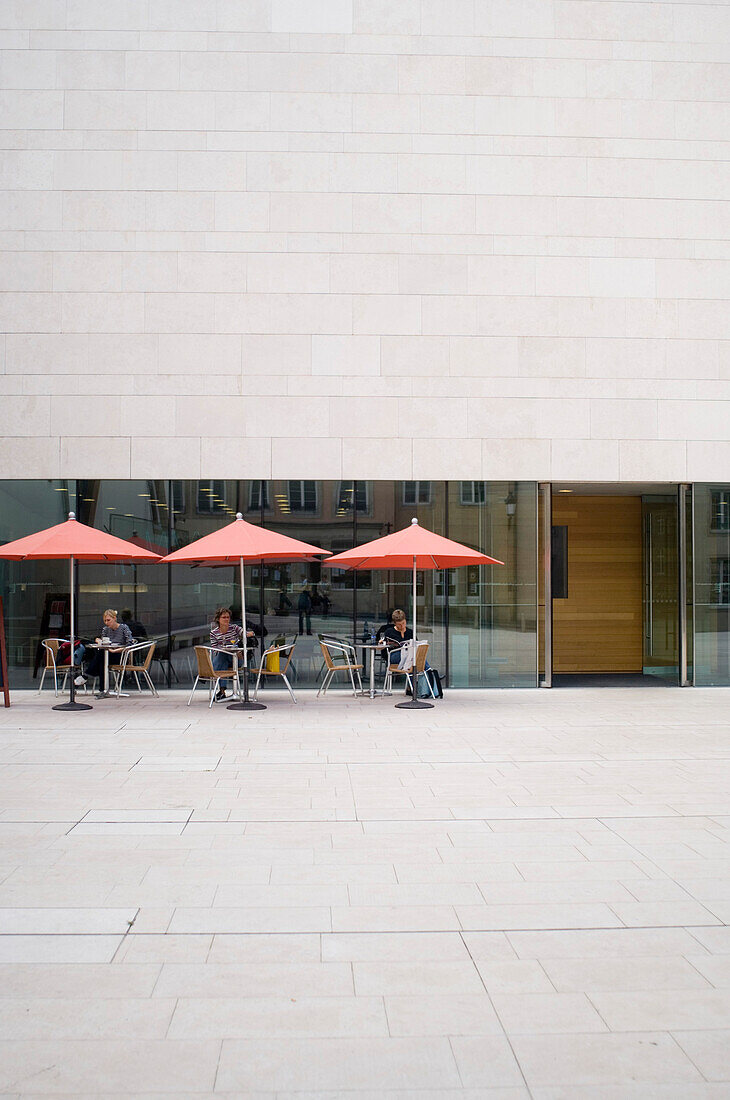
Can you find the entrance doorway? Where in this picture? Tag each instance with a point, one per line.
(615, 585)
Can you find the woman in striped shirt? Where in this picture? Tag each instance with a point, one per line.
(223, 635)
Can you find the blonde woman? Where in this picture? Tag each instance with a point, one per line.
(119, 635)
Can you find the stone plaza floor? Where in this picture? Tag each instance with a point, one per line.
(516, 894)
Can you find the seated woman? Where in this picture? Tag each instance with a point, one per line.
(394, 636)
(224, 635)
(119, 635)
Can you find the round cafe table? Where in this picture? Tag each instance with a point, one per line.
(106, 650)
(373, 648)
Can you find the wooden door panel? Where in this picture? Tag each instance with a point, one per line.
(599, 627)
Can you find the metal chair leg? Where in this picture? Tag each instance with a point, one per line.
(192, 693)
(294, 698)
(326, 682)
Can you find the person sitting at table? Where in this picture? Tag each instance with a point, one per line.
(226, 635)
(119, 636)
(394, 637)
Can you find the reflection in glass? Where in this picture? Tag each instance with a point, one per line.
(137, 511)
(661, 587)
(480, 623)
(493, 609)
(711, 566)
(35, 593)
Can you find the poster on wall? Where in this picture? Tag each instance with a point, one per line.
(4, 684)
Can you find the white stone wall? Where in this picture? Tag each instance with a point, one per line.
(375, 238)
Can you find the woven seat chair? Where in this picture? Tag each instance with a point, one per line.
(284, 653)
(51, 647)
(420, 669)
(330, 650)
(206, 672)
(136, 662)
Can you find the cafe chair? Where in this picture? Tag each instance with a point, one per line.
(51, 646)
(137, 663)
(338, 649)
(407, 669)
(206, 672)
(275, 661)
(345, 662)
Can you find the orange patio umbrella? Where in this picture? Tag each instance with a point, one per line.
(234, 544)
(76, 542)
(414, 547)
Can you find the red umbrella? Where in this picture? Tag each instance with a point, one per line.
(412, 548)
(234, 544)
(77, 542)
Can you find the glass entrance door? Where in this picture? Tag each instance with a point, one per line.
(661, 587)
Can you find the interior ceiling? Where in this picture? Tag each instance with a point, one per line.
(616, 489)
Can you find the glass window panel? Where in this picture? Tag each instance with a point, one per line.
(303, 599)
(212, 497)
(258, 496)
(137, 511)
(35, 593)
(472, 492)
(416, 492)
(379, 592)
(492, 609)
(301, 496)
(196, 592)
(353, 496)
(720, 510)
(711, 546)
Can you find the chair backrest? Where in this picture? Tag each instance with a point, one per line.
(51, 647)
(133, 653)
(205, 664)
(288, 651)
(327, 655)
(150, 655)
(421, 651)
(406, 656)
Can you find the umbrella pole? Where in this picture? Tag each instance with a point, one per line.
(72, 704)
(245, 703)
(414, 703)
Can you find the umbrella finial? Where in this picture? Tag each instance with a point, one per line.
(414, 520)
(239, 515)
(72, 515)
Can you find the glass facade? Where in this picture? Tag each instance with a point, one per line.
(480, 622)
(483, 624)
(711, 569)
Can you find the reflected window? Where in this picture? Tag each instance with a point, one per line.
(178, 496)
(353, 495)
(258, 496)
(720, 514)
(302, 496)
(472, 492)
(211, 497)
(720, 591)
(416, 492)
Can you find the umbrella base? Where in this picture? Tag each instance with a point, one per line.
(72, 706)
(246, 704)
(414, 704)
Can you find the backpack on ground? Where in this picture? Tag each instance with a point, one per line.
(435, 681)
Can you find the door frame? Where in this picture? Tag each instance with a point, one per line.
(685, 551)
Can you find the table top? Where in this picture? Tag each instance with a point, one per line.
(106, 648)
